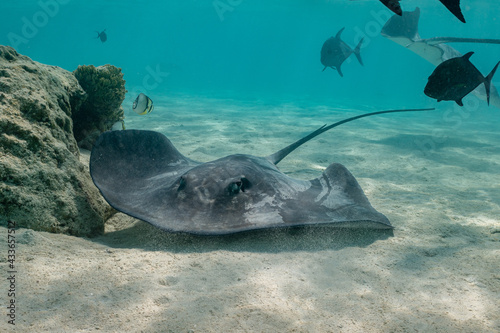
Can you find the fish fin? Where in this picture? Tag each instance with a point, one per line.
(340, 71)
(467, 55)
(337, 36)
(454, 7)
(357, 52)
(324, 69)
(487, 82)
(459, 102)
(393, 5)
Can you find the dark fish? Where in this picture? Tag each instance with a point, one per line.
(393, 5)
(452, 5)
(403, 30)
(102, 35)
(453, 79)
(334, 52)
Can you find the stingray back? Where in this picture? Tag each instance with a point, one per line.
(139, 172)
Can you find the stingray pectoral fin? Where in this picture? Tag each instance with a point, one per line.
(431, 53)
(458, 101)
(340, 199)
(131, 167)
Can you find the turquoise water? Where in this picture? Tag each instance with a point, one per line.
(252, 50)
(246, 78)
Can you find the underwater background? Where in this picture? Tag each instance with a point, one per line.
(247, 50)
(241, 76)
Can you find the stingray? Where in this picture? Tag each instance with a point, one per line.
(403, 30)
(452, 5)
(335, 51)
(142, 174)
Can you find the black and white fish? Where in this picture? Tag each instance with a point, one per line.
(142, 105)
(335, 51)
(455, 78)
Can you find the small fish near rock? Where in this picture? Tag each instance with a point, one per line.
(142, 105)
(335, 51)
(455, 78)
(102, 35)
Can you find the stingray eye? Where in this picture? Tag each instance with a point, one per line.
(182, 184)
(239, 185)
(245, 184)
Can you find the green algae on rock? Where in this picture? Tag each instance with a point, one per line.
(105, 88)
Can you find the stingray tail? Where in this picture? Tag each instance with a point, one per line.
(357, 51)
(487, 82)
(279, 155)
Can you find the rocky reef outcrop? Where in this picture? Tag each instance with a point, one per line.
(43, 184)
(105, 88)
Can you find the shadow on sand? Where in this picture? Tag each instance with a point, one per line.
(307, 238)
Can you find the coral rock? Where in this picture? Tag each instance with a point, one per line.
(105, 88)
(43, 184)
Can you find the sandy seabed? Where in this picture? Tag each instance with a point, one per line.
(434, 175)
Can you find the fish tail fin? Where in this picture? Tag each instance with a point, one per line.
(454, 7)
(340, 71)
(487, 82)
(357, 51)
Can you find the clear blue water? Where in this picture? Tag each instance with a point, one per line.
(255, 50)
(250, 80)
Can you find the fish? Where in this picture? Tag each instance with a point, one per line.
(142, 174)
(403, 30)
(102, 35)
(142, 105)
(393, 5)
(455, 78)
(335, 51)
(452, 5)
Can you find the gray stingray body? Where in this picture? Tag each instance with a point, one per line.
(143, 175)
(335, 51)
(403, 30)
